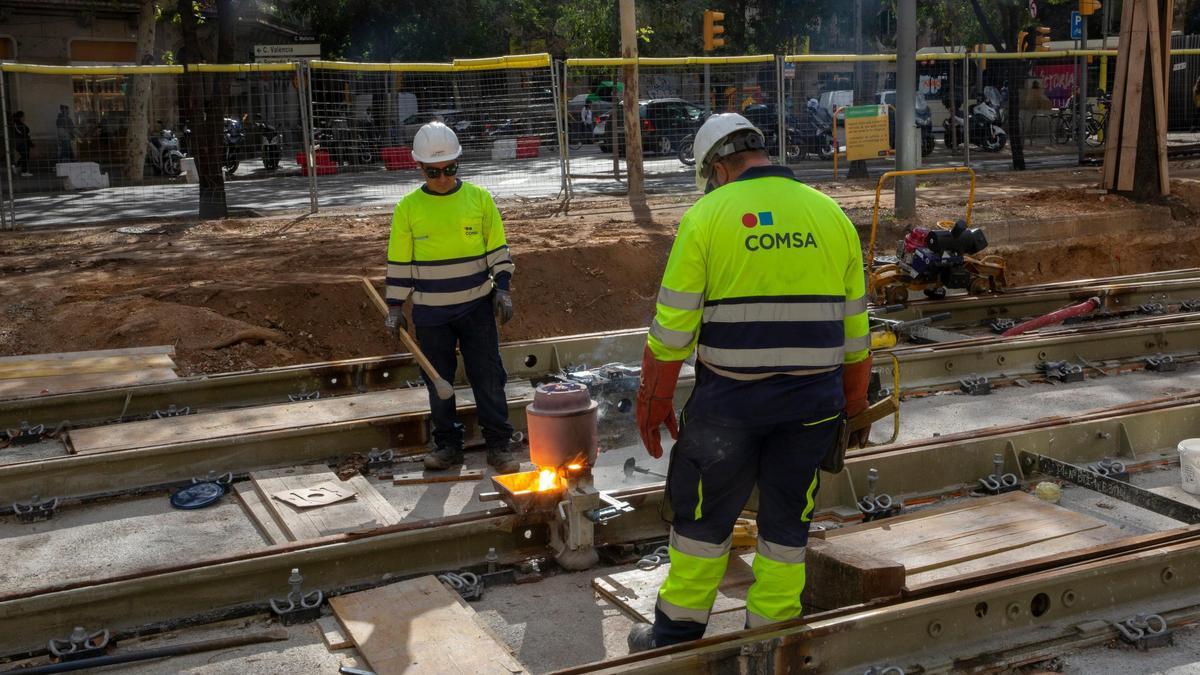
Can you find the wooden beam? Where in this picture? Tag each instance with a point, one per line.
(1131, 118)
(62, 384)
(90, 364)
(98, 353)
(1112, 142)
(1159, 59)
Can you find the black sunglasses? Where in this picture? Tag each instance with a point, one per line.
(435, 172)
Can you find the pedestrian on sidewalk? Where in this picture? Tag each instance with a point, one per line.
(447, 252)
(765, 283)
(22, 142)
(64, 128)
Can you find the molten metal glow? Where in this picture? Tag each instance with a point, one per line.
(575, 467)
(547, 480)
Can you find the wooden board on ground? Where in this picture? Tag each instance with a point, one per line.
(264, 419)
(63, 384)
(419, 626)
(259, 514)
(425, 477)
(84, 365)
(368, 510)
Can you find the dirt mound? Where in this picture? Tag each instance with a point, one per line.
(1103, 256)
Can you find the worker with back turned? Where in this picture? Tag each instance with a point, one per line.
(765, 283)
(447, 252)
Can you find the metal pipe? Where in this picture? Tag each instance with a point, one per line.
(12, 199)
(309, 125)
(1087, 307)
(906, 90)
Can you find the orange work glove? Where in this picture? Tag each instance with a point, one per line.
(655, 401)
(855, 378)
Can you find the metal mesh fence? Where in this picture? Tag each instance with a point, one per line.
(529, 127)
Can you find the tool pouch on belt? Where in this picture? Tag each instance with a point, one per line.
(835, 459)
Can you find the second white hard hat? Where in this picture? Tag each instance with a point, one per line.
(435, 142)
(711, 141)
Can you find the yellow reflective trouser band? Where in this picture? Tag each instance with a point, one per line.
(699, 499)
(775, 595)
(691, 586)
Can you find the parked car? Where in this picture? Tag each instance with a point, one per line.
(666, 123)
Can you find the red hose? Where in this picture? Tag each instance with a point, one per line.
(1057, 316)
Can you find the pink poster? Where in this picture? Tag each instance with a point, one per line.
(1057, 81)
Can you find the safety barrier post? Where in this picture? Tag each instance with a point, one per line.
(560, 127)
(304, 79)
(781, 111)
(8, 160)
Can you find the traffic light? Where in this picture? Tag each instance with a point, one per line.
(1043, 39)
(1088, 7)
(1021, 37)
(713, 28)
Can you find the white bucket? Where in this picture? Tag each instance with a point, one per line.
(1189, 465)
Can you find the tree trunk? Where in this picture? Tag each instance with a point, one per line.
(139, 97)
(205, 114)
(1016, 81)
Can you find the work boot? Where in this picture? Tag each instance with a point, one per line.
(502, 460)
(641, 637)
(443, 458)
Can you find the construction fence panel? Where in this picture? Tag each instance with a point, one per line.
(675, 97)
(366, 116)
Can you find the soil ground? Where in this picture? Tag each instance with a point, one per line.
(240, 294)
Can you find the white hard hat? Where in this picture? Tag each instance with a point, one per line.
(710, 144)
(435, 142)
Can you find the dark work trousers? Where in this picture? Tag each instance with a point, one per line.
(475, 334)
(715, 465)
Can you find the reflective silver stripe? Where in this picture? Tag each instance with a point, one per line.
(791, 555)
(680, 299)
(451, 271)
(858, 344)
(398, 293)
(781, 357)
(498, 256)
(505, 266)
(856, 306)
(677, 613)
(700, 549)
(399, 271)
(775, 311)
(675, 339)
(754, 620)
(442, 299)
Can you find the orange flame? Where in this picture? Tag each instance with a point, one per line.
(547, 480)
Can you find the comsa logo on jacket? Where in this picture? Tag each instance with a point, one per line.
(767, 241)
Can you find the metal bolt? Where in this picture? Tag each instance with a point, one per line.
(491, 558)
(997, 464)
(872, 476)
(935, 628)
(1013, 611)
(1103, 435)
(1068, 598)
(295, 580)
(1168, 575)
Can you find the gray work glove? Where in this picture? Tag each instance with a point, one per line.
(395, 320)
(502, 304)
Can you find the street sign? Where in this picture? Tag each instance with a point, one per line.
(302, 51)
(866, 132)
(1076, 25)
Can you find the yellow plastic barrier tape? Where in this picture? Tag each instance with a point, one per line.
(37, 69)
(241, 67)
(654, 61)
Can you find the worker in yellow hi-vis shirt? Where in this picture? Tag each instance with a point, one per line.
(765, 283)
(447, 252)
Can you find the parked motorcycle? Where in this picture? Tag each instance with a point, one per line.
(985, 119)
(814, 133)
(235, 138)
(164, 153)
(271, 142)
(346, 145)
(924, 119)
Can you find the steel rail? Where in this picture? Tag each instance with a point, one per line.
(1140, 434)
(531, 359)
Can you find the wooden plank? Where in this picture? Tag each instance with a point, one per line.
(62, 384)
(1166, 24)
(258, 512)
(169, 350)
(368, 510)
(1160, 96)
(945, 537)
(333, 635)
(1112, 142)
(92, 364)
(426, 477)
(1067, 544)
(419, 626)
(1131, 118)
(260, 419)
